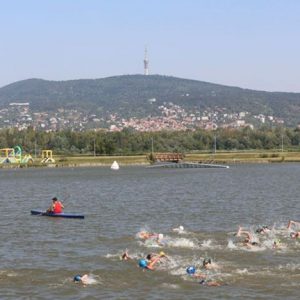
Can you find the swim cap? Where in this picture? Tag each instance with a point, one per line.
(191, 270)
(77, 278)
(181, 227)
(162, 253)
(143, 263)
(160, 236)
(206, 261)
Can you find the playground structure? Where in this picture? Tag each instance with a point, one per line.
(47, 157)
(14, 156)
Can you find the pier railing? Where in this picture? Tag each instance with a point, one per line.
(172, 157)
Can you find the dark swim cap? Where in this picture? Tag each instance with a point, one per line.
(77, 278)
(206, 261)
(54, 199)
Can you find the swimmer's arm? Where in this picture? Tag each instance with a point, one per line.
(199, 275)
(241, 231)
(291, 222)
(213, 283)
(153, 262)
(247, 233)
(84, 278)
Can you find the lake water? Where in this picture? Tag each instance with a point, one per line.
(39, 256)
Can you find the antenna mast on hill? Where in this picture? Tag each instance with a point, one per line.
(146, 63)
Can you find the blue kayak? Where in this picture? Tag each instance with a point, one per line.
(62, 215)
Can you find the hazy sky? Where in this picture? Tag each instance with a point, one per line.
(247, 43)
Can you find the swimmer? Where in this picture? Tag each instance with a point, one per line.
(295, 235)
(241, 231)
(207, 265)
(276, 244)
(249, 238)
(149, 265)
(191, 271)
(180, 229)
(292, 223)
(125, 256)
(209, 283)
(150, 257)
(147, 235)
(81, 279)
(248, 243)
(263, 229)
(160, 239)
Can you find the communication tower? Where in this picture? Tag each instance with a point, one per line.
(146, 63)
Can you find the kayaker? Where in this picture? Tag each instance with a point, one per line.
(56, 207)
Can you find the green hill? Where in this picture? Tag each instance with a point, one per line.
(129, 95)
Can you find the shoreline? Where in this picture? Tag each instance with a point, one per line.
(226, 158)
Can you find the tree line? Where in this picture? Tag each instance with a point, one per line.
(130, 142)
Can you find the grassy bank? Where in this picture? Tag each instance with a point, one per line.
(219, 157)
(100, 160)
(245, 157)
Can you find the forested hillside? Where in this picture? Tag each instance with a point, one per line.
(138, 95)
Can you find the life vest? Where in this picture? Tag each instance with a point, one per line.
(57, 208)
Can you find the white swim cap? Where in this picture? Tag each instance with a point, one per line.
(160, 236)
(181, 227)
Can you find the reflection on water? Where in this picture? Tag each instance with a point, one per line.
(40, 255)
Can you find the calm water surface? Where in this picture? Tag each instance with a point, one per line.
(39, 255)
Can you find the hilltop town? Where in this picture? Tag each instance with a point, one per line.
(170, 117)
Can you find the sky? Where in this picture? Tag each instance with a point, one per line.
(251, 44)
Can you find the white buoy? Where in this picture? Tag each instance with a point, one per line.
(115, 166)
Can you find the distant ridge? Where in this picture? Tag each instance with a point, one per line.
(130, 95)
